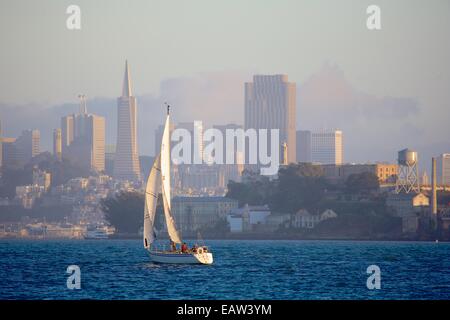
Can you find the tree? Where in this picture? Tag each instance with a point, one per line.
(364, 182)
(125, 211)
(13, 177)
(299, 186)
(255, 192)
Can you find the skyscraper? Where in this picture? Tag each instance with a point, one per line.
(326, 147)
(28, 145)
(303, 146)
(126, 163)
(67, 132)
(57, 143)
(17, 152)
(443, 169)
(270, 103)
(83, 138)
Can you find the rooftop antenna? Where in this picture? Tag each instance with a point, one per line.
(83, 108)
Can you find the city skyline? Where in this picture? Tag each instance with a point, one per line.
(348, 81)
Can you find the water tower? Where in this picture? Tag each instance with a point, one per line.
(408, 173)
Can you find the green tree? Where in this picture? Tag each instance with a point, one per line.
(299, 186)
(364, 182)
(125, 211)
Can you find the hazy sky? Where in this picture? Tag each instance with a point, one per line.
(382, 86)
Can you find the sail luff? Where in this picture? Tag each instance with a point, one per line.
(151, 197)
(165, 182)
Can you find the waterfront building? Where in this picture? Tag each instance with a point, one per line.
(385, 172)
(193, 213)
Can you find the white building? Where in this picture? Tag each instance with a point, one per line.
(443, 169)
(327, 147)
(304, 219)
(245, 218)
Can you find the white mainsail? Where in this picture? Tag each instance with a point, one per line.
(165, 181)
(151, 197)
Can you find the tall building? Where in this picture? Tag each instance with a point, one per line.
(270, 103)
(17, 152)
(83, 138)
(66, 133)
(443, 169)
(57, 143)
(9, 152)
(303, 146)
(27, 145)
(126, 162)
(326, 147)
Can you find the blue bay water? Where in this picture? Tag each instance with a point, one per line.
(121, 269)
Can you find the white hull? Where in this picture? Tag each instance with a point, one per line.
(181, 258)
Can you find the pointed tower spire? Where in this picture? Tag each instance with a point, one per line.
(83, 108)
(126, 92)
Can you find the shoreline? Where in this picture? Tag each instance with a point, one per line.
(246, 238)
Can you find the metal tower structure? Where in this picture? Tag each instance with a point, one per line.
(408, 175)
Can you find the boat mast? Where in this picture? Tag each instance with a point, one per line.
(168, 107)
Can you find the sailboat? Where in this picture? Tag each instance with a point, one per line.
(159, 181)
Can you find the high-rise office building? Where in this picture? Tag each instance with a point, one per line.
(443, 169)
(83, 138)
(18, 152)
(57, 143)
(66, 133)
(326, 147)
(126, 162)
(303, 146)
(27, 145)
(270, 103)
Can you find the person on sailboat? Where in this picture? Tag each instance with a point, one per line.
(184, 247)
(173, 246)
